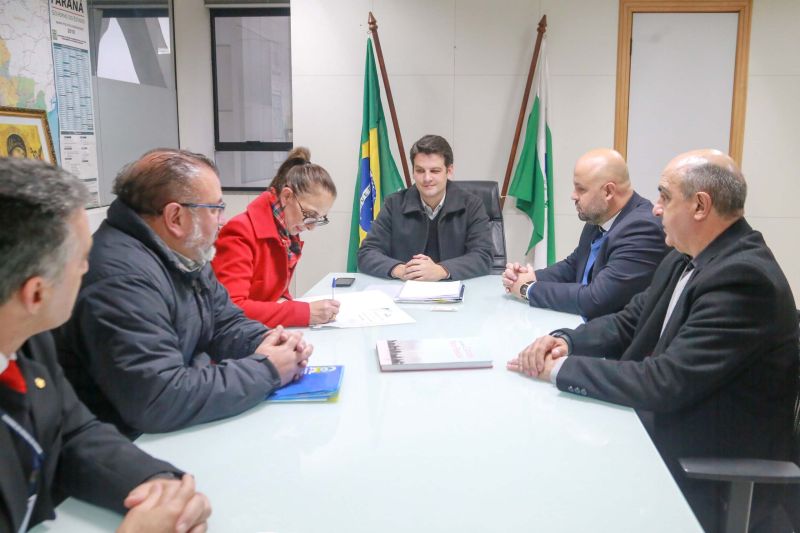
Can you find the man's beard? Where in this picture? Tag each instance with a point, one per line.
(592, 214)
(205, 251)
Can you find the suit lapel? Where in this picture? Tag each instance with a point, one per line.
(585, 247)
(678, 316)
(37, 380)
(45, 412)
(717, 247)
(646, 341)
(13, 485)
(602, 253)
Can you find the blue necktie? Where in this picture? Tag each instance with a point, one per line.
(596, 244)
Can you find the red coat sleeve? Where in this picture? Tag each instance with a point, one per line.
(240, 256)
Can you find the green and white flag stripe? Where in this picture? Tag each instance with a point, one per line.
(532, 184)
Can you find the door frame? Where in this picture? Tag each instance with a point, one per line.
(626, 10)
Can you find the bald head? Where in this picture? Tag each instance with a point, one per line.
(603, 165)
(602, 185)
(714, 173)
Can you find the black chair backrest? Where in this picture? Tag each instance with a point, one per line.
(792, 495)
(488, 192)
(797, 402)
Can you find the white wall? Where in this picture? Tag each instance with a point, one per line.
(772, 132)
(193, 76)
(457, 68)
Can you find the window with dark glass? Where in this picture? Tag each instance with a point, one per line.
(251, 65)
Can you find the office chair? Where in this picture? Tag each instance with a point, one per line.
(487, 191)
(742, 474)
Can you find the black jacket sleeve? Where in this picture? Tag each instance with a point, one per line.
(633, 257)
(561, 272)
(718, 339)
(374, 255)
(133, 354)
(97, 463)
(477, 259)
(235, 335)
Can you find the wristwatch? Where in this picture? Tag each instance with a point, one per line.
(523, 290)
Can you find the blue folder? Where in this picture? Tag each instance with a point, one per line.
(318, 384)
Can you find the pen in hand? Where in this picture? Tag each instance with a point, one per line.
(333, 286)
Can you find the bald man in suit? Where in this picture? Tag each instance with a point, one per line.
(618, 251)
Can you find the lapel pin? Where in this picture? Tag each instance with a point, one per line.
(40, 383)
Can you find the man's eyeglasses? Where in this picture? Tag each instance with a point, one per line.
(220, 207)
(309, 218)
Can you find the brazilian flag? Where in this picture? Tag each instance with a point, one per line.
(377, 172)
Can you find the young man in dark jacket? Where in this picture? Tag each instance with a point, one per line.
(431, 231)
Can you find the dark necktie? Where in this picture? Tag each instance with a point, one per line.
(593, 251)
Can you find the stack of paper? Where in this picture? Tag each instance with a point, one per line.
(318, 384)
(429, 354)
(431, 292)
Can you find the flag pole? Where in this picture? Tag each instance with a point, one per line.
(373, 28)
(540, 33)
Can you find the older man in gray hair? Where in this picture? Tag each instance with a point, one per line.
(52, 446)
(155, 343)
(708, 353)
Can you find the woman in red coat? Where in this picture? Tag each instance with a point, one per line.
(258, 250)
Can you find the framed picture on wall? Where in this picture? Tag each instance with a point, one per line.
(25, 133)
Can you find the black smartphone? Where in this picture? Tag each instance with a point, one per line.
(344, 282)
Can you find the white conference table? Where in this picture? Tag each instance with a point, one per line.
(481, 450)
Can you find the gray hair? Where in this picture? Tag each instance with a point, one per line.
(159, 177)
(726, 187)
(36, 203)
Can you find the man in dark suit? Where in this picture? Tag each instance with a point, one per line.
(618, 251)
(708, 354)
(52, 446)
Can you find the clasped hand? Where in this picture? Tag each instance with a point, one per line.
(166, 506)
(515, 275)
(420, 268)
(537, 359)
(287, 351)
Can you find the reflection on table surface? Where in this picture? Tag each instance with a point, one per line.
(462, 450)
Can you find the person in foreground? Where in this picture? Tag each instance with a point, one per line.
(155, 343)
(619, 249)
(258, 250)
(708, 353)
(432, 231)
(52, 446)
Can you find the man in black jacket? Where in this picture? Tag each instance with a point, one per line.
(52, 446)
(431, 231)
(619, 249)
(155, 343)
(708, 353)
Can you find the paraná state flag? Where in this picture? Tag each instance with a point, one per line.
(532, 184)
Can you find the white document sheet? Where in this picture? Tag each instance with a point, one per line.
(364, 309)
(429, 291)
